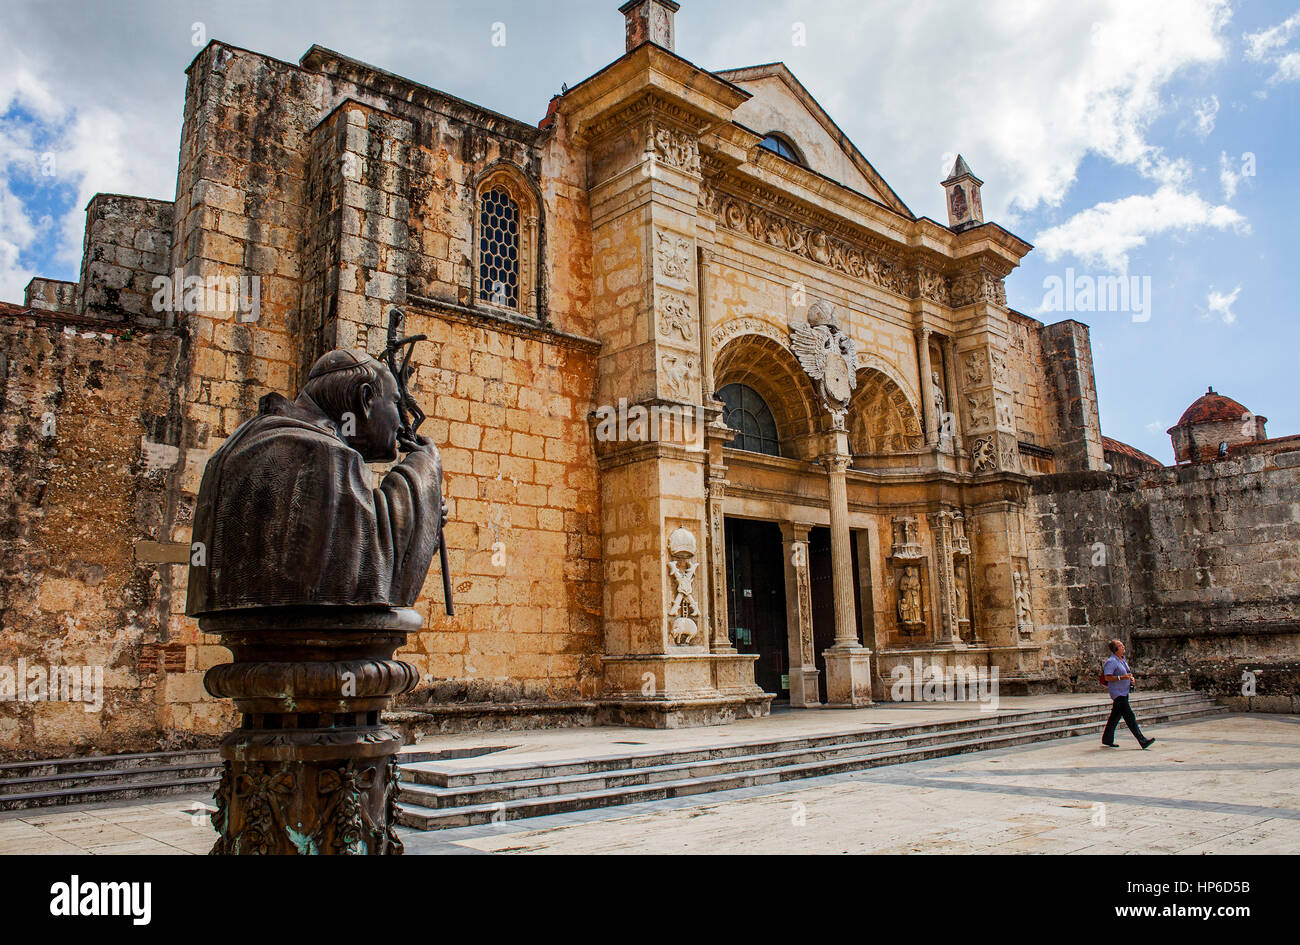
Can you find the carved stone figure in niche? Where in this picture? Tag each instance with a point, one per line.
(827, 355)
(681, 567)
(940, 402)
(1024, 611)
(960, 593)
(960, 543)
(909, 596)
(984, 456)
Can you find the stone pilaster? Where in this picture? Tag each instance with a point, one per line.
(798, 616)
(941, 531)
(930, 421)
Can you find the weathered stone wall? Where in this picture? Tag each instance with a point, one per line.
(88, 426)
(1038, 421)
(1197, 568)
(1067, 355)
(50, 295)
(127, 245)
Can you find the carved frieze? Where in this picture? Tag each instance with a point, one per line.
(817, 244)
(672, 147)
(679, 376)
(977, 286)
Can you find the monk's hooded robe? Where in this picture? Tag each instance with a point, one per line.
(287, 514)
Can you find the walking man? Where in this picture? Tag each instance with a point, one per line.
(1119, 682)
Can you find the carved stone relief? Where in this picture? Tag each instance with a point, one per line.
(675, 317)
(682, 566)
(678, 376)
(674, 254)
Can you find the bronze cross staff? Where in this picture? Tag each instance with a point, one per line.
(411, 417)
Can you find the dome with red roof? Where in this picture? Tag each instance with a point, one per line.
(1213, 407)
(1212, 426)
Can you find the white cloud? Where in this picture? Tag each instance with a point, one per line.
(1229, 176)
(1270, 47)
(1220, 303)
(1024, 90)
(1104, 235)
(1207, 110)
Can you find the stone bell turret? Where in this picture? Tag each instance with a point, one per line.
(962, 189)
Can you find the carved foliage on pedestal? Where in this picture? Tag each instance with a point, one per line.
(334, 804)
(682, 566)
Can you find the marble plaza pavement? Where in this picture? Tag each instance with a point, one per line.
(1226, 784)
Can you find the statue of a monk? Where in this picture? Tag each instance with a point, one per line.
(288, 513)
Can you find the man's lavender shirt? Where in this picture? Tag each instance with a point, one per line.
(1117, 667)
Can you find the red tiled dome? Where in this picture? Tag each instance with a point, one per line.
(1212, 407)
(1132, 452)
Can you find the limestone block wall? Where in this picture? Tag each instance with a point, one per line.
(127, 244)
(1198, 568)
(89, 416)
(1038, 421)
(1067, 355)
(509, 408)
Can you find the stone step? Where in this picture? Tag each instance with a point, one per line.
(71, 766)
(135, 777)
(428, 818)
(459, 776)
(113, 777)
(512, 787)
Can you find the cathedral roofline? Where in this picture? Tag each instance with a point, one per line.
(781, 71)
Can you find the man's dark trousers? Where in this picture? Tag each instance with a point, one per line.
(1120, 708)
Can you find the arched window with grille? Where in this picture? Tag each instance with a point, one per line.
(505, 242)
(748, 414)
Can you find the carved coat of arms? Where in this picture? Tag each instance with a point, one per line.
(827, 355)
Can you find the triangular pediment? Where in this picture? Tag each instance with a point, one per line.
(781, 104)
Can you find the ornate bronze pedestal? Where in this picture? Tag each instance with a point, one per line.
(311, 769)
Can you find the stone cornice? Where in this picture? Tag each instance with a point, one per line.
(649, 79)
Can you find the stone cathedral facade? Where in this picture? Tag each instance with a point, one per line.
(723, 421)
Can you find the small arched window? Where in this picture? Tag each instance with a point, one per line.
(779, 144)
(748, 414)
(505, 242)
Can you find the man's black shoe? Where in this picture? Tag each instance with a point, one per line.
(1148, 743)
(1109, 745)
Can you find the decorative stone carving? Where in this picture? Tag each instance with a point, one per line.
(674, 254)
(746, 325)
(907, 542)
(999, 364)
(681, 568)
(827, 355)
(674, 148)
(1010, 461)
(960, 543)
(679, 376)
(910, 614)
(979, 408)
(940, 402)
(983, 455)
(960, 594)
(1005, 415)
(675, 317)
(1024, 609)
(976, 287)
(973, 366)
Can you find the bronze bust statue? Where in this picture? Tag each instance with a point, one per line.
(287, 514)
(307, 571)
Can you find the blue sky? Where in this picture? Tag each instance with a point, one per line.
(1101, 129)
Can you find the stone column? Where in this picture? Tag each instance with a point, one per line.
(848, 662)
(798, 615)
(950, 382)
(926, 388)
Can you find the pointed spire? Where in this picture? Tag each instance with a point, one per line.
(959, 169)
